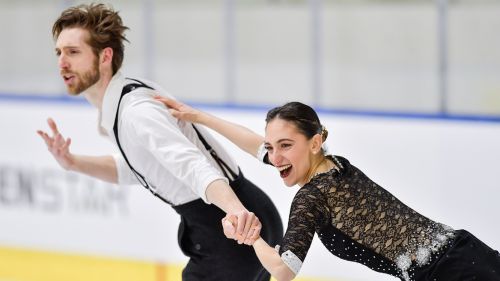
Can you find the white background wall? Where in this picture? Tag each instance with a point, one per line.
(363, 54)
(446, 170)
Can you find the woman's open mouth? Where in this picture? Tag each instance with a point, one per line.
(285, 170)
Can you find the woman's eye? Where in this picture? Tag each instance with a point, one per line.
(268, 148)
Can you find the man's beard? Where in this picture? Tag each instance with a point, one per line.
(86, 80)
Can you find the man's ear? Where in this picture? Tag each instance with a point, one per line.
(106, 55)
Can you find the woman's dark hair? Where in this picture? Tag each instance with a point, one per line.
(302, 115)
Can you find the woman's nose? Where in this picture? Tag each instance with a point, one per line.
(275, 158)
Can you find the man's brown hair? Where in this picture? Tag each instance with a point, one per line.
(103, 24)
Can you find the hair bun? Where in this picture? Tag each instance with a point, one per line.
(324, 133)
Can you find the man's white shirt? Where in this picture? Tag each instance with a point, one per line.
(166, 151)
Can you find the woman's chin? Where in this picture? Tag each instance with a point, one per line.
(289, 183)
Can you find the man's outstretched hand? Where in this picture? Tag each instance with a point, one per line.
(57, 145)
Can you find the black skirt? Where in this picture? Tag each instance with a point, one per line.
(467, 258)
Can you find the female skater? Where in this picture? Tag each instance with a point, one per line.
(355, 219)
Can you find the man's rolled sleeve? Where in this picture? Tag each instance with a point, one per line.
(202, 192)
(125, 176)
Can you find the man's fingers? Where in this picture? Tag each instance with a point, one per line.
(233, 219)
(42, 134)
(228, 228)
(256, 233)
(45, 137)
(244, 223)
(255, 227)
(242, 219)
(53, 126)
(250, 234)
(228, 225)
(66, 144)
(58, 141)
(248, 224)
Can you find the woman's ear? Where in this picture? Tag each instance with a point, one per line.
(316, 143)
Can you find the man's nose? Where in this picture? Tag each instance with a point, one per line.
(63, 62)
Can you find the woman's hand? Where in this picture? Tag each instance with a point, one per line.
(243, 137)
(230, 224)
(180, 110)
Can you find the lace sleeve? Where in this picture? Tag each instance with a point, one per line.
(262, 154)
(306, 215)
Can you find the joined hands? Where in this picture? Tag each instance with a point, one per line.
(244, 229)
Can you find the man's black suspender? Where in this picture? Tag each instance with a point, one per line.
(228, 173)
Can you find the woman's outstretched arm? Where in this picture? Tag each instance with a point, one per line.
(272, 262)
(244, 138)
(267, 255)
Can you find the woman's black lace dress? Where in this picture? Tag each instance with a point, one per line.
(357, 220)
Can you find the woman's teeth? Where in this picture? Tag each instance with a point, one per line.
(284, 170)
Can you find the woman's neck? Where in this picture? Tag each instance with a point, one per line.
(322, 165)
